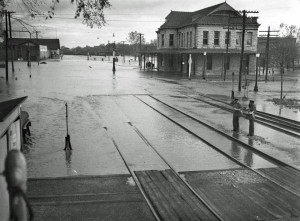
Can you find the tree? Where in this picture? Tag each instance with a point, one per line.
(134, 38)
(153, 42)
(292, 31)
(283, 52)
(92, 11)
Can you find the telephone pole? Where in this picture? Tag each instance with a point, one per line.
(267, 50)
(227, 45)
(140, 57)
(11, 47)
(36, 34)
(243, 46)
(6, 46)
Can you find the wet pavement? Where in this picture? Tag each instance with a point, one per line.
(104, 107)
(281, 146)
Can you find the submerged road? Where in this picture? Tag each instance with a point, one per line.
(100, 101)
(143, 125)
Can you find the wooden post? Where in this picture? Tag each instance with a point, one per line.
(242, 51)
(68, 145)
(11, 47)
(6, 46)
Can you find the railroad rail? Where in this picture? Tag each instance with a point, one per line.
(292, 123)
(284, 125)
(200, 196)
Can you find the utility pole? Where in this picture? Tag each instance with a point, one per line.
(242, 51)
(36, 34)
(11, 47)
(243, 46)
(227, 45)
(140, 57)
(6, 46)
(267, 50)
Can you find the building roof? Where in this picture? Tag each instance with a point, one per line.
(52, 44)
(213, 15)
(6, 107)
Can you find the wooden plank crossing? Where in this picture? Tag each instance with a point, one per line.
(286, 176)
(77, 198)
(241, 194)
(171, 198)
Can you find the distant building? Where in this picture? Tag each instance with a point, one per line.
(36, 49)
(203, 35)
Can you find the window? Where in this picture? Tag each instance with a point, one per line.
(158, 42)
(191, 39)
(205, 37)
(227, 38)
(162, 40)
(171, 40)
(187, 39)
(217, 38)
(238, 38)
(209, 62)
(249, 38)
(179, 40)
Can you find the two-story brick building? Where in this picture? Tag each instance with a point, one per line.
(203, 35)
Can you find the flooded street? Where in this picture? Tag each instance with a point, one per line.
(107, 109)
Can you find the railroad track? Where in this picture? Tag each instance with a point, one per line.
(282, 124)
(158, 214)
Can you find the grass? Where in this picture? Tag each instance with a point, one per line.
(290, 103)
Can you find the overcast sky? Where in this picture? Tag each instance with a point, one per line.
(145, 16)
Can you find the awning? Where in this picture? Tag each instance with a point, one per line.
(196, 51)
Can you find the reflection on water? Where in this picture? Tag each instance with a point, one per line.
(235, 150)
(68, 154)
(70, 170)
(243, 155)
(280, 110)
(248, 158)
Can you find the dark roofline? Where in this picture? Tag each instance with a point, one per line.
(7, 107)
(194, 18)
(53, 43)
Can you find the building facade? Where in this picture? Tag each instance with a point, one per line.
(209, 38)
(33, 48)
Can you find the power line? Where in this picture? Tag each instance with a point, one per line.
(74, 14)
(123, 20)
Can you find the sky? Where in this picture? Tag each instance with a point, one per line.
(143, 16)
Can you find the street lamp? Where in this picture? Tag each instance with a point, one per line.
(232, 91)
(204, 66)
(255, 87)
(114, 55)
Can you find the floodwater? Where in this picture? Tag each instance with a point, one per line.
(106, 118)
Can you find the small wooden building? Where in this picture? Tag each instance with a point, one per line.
(33, 48)
(10, 138)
